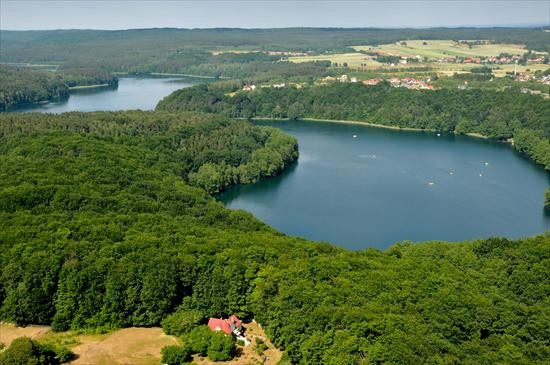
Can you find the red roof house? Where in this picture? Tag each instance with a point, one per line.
(228, 326)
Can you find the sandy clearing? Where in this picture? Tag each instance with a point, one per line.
(136, 346)
(9, 332)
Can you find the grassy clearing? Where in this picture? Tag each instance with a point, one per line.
(443, 48)
(138, 346)
(9, 332)
(354, 60)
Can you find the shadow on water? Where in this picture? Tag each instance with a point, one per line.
(265, 186)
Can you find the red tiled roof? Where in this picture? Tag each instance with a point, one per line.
(236, 321)
(218, 324)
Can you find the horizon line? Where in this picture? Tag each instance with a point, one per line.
(478, 26)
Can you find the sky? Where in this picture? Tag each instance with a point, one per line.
(126, 14)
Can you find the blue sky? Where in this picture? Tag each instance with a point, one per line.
(104, 14)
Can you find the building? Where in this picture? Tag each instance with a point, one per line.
(371, 82)
(231, 325)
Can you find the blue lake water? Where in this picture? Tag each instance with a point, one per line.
(132, 93)
(385, 186)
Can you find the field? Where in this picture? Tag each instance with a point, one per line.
(443, 48)
(137, 346)
(433, 49)
(354, 60)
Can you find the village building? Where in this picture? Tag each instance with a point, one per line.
(249, 87)
(343, 78)
(371, 82)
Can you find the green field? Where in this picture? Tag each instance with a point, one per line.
(354, 60)
(443, 48)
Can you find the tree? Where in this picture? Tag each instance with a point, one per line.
(222, 347)
(176, 355)
(181, 322)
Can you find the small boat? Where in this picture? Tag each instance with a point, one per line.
(439, 134)
(486, 163)
(431, 183)
(480, 175)
(355, 136)
(451, 173)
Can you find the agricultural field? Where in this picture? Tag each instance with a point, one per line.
(443, 48)
(354, 60)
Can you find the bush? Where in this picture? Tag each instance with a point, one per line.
(199, 340)
(176, 355)
(222, 347)
(24, 351)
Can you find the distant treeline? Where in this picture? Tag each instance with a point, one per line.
(98, 230)
(22, 85)
(498, 115)
(188, 51)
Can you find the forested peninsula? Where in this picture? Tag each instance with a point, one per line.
(501, 115)
(98, 229)
(24, 85)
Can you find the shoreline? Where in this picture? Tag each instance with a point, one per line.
(368, 124)
(168, 74)
(82, 87)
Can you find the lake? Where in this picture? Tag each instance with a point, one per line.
(375, 189)
(132, 93)
(358, 187)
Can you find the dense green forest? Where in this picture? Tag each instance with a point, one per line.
(22, 85)
(82, 76)
(498, 115)
(99, 230)
(188, 51)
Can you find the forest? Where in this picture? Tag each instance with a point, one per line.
(190, 50)
(22, 85)
(501, 115)
(101, 227)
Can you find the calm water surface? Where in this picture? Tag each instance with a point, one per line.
(384, 186)
(132, 93)
(372, 190)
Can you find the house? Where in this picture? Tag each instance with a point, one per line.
(249, 88)
(353, 79)
(372, 82)
(231, 325)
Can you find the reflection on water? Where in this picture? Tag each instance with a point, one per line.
(383, 186)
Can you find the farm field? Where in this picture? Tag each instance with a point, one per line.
(354, 60)
(443, 48)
